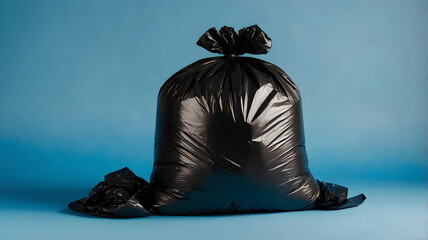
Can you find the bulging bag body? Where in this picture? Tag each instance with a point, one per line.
(229, 138)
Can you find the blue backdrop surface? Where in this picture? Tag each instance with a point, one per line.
(79, 83)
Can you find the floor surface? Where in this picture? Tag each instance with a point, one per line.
(391, 211)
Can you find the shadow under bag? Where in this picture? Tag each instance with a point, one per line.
(229, 139)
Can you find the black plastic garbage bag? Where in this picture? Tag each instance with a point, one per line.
(229, 139)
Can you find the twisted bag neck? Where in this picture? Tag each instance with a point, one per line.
(226, 41)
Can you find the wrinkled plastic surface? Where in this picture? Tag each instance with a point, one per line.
(229, 138)
(115, 196)
(250, 40)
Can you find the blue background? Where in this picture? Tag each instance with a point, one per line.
(79, 83)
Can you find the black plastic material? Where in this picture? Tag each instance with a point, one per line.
(250, 40)
(115, 196)
(229, 139)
